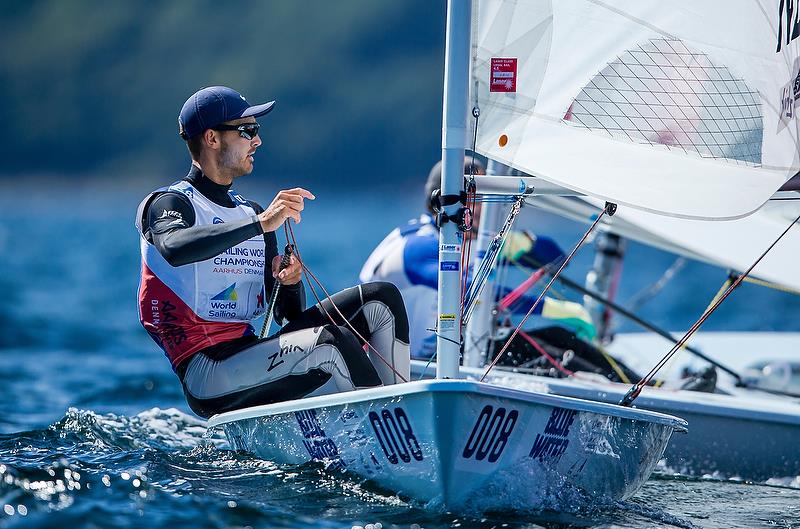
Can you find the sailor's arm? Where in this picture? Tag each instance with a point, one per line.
(170, 221)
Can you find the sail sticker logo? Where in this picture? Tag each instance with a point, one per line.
(790, 94)
(447, 321)
(788, 23)
(490, 434)
(395, 435)
(449, 266)
(217, 220)
(551, 444)
(503, 75)
(455, 248)
(318, 445)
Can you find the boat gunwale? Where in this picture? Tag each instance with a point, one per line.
(448, 386)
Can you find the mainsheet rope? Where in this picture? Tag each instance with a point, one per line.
(289, 234)
(471, 203)
(636, 389)
(610, 209)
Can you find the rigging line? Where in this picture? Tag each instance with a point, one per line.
(541, 350)
(608, 208)
(614, 365)
(290, 236)
(526, 285)
(649, 292)
(427, 365)
(774, 286)
(636, 389)
(466, 248)
(720, 292)
(643, 323)
(489, 260)
(273, 299)
(339, 312)
(519, 291)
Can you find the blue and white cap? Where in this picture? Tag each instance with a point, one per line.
(209, 107)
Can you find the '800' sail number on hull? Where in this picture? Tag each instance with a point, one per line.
(395, 435)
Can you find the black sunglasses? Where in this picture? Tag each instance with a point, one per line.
(247, 131)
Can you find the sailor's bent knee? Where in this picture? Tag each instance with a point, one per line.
(356, 362)
(335, 336)
(388, 294)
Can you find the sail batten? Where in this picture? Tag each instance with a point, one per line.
(676, 108)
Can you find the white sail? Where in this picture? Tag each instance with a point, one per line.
(680, 108)
(733, 244)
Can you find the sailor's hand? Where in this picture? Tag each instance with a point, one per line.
(287, 204)
(289, 275)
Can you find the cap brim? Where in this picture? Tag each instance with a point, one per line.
(258, 110)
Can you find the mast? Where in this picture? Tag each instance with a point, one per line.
(609, 252)
(454, 135)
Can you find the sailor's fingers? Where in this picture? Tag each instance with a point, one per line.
(288, 197)
(292, 273)
(272, 217)
(305, 193)
(276, 265)
(293, 198)
(288, 211)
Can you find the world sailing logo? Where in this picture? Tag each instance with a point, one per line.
(229, 294)
(223, 303)
(788, 22)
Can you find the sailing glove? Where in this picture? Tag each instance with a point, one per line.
(570, 314)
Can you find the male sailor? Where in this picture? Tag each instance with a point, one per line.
(409, 258)
(210, 262)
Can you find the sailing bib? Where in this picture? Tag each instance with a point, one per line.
(190, 307)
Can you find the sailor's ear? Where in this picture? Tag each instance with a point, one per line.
(211, 139)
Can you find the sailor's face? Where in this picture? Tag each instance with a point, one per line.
(236, 152)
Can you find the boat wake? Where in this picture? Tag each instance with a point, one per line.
(664, 471)
(165, 466)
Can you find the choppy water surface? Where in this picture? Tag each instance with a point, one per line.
(94, 431)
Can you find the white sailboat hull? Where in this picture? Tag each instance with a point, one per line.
(460, 444)
(745, 433)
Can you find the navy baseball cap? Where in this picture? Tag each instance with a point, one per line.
(209, 107)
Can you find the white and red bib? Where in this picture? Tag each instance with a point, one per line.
(188, 308)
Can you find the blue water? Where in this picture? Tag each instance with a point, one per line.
(94, 431)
